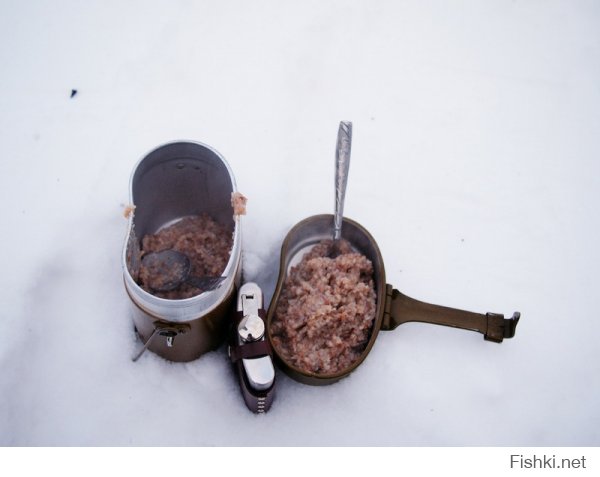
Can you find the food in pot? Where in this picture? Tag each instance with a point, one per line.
(238, 202)
(204, 241)
(326, 310)
(128, 210)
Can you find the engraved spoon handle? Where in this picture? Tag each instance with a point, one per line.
(342, 164)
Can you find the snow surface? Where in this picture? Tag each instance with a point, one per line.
(475, 165)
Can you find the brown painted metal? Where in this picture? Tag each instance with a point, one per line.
(191, 338)
(393, 307)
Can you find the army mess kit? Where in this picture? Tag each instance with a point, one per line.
(182, 268)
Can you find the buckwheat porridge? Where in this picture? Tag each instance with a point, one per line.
(325, 313)
(204, 241)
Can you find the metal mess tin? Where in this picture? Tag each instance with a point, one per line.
(392, 308)
(174, 181)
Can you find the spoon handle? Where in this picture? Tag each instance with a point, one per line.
(204, 283)
(342, 164)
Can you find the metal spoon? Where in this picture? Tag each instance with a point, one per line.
(342, 165)
(168, 269)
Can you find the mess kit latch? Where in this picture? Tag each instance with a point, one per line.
(250, 351)
(168, 330)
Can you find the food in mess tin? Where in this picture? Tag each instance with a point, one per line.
(326, 310)
(238, 202)
(205, 242)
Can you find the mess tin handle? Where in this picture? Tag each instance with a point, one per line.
(400, 308)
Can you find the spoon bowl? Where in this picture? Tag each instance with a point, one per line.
(168, 269)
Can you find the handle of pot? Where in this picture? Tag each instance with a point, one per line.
(400, 308)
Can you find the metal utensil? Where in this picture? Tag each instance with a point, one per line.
(342, 165)
(168, 269)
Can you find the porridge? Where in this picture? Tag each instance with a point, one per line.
(204, 241)
(326, 311)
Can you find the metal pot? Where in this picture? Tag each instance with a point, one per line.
(173, 181)
(393, 307)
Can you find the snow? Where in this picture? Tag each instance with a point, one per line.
(474, 165)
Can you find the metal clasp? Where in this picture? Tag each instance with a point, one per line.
(259, 371)
(168, 330)
(251, 327)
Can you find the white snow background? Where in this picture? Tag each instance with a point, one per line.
(475, 165)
